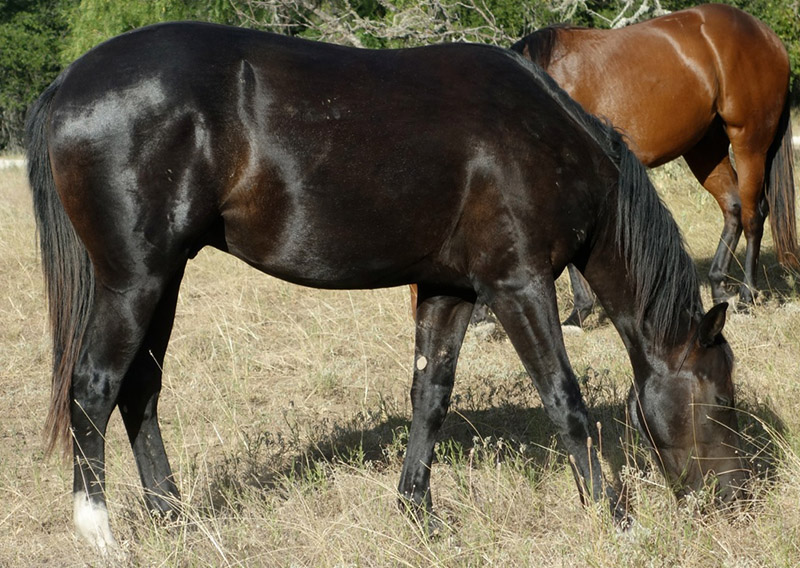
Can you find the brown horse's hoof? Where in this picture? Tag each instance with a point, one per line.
(747, 298)
(488, 331)
(580, 313)
(723, 292)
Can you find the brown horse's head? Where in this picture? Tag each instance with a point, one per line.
(686, 410)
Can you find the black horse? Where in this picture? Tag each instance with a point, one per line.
(302, 158)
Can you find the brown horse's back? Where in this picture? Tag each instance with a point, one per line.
(757, 53)
(664, 81)
(698, 83)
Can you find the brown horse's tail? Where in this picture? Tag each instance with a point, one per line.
(780, 192)
(68, 275)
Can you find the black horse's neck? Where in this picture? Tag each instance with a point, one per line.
(637, 245)
(651, 338)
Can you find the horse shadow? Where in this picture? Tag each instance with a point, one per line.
(506, 431)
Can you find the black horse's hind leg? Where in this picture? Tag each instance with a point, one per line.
(529, 314)
(116, 329)
(441, 324)
(583, 298)
(138, 402)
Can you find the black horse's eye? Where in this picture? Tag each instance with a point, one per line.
(723, 401)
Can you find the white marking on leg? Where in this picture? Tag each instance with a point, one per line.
(571, 330)
(422, 362)
(91, 523)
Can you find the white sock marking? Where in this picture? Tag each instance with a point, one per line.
(91, 522)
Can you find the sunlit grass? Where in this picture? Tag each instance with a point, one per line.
(285, 413)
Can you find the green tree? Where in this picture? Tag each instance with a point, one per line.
(30, 35)
(784, 19)
(399, 23)
(91, 22)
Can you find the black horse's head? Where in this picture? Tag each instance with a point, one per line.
(685, 409)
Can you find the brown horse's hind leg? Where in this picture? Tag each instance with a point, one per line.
(750, 165)
(583, 298)
(711, 165)
(442, 321)
(412, 289)
(138, 401)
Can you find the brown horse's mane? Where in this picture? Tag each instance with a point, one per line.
(539, 45)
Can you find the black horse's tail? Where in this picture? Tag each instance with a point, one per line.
(780, 192)
(68, 275)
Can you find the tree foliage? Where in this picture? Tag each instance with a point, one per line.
(91, 22)
(39, 37)
(399, 23)
(30, 33)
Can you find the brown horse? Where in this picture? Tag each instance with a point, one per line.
(693, 84)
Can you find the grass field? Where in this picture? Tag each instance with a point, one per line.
(285, 412)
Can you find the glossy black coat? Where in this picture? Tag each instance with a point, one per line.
(458, 167)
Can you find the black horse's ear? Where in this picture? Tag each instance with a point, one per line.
(711, 325)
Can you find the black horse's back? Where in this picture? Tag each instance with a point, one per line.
(264, 133)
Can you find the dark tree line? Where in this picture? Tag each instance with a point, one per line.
(38, 38)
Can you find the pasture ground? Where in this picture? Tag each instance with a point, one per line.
(285, 412)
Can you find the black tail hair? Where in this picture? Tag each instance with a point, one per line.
(68, 274)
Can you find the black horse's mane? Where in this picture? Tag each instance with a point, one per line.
(663, 274)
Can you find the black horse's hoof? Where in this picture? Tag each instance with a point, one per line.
(430, 524)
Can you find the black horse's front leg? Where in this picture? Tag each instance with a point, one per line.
(529, 313)
(442, 321)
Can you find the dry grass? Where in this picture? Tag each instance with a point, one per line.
(285, 412)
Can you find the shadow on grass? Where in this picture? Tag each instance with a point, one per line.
(499, 431)
(774, 281)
